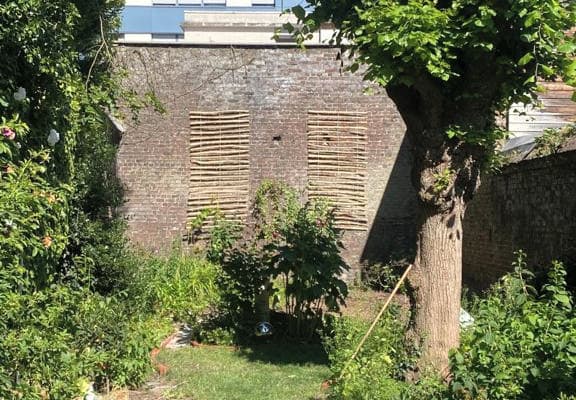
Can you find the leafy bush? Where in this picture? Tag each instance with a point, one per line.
(178, 285)
(246, 273)
(294, 249)
(383, 276)
(523, 343)
(377, 371)
(551, 141)
(55, 339)
(307, 260)
(522, 346)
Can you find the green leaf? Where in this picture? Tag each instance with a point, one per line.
(562, 298)
(531, 79)
(526, 58)
(532, 18)
(567, 47)
(547, 71)
(299, 12)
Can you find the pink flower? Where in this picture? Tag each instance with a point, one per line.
(8, 133)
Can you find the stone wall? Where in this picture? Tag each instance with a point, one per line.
(278, 86)
(530, 205)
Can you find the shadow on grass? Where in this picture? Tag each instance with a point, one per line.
(285, 353)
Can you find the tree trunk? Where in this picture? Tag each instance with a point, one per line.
(446, 174)
(437, 280)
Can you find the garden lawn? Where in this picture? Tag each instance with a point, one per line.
(267, 371)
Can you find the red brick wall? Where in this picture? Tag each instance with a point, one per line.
(530, 205)
(278, 86)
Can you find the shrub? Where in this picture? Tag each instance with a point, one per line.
(293, 249)
(52, 340)
(307, 260)
(246, 273)
(551, 141)
(377, 371)
(383, 276)
(179, 285)
(523, 343)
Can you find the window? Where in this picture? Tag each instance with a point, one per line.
(172, 37)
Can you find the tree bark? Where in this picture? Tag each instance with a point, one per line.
(446, 174)
(437, 279)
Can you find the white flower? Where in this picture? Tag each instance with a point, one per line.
(20, 94)
(53, 137)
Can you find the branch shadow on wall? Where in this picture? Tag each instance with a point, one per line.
(392, 235)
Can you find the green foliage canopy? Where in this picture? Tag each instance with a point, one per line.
(511, 42)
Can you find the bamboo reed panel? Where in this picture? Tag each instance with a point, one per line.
(219, 163)
(337, 164)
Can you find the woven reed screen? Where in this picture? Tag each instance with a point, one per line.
(337, 164)
(220, 163)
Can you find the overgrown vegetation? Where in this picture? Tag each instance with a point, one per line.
(377, 372)
(552, 140)
(383, 276)
(291, 256)
(179, 285)
(64, 320)
(521, 346)
(449, 67)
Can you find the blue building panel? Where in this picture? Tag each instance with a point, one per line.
(154, 19)
(168, 19)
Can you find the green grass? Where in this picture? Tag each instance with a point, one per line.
(267, 371)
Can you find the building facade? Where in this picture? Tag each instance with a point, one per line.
(242, 108)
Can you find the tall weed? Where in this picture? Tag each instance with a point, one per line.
(377, 371)
(178, 285)
(523, 343)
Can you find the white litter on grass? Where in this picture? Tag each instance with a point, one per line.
(466, 319)
(182, 338)
(90, 395)
(53, 137)
(20, 94)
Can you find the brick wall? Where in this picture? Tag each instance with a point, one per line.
(530, 205)
(278, 86)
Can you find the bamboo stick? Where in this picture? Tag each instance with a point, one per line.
(321, 170)
(338, 192)
(221, 164)
(199, 144)
(359, 146)
(325, 112)
(220, 128)
(201, 147)
(220, 121)
(336, 124)
(220, 112)
(351, 228)
(224, 154)
(198, 117)
(321, 135)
